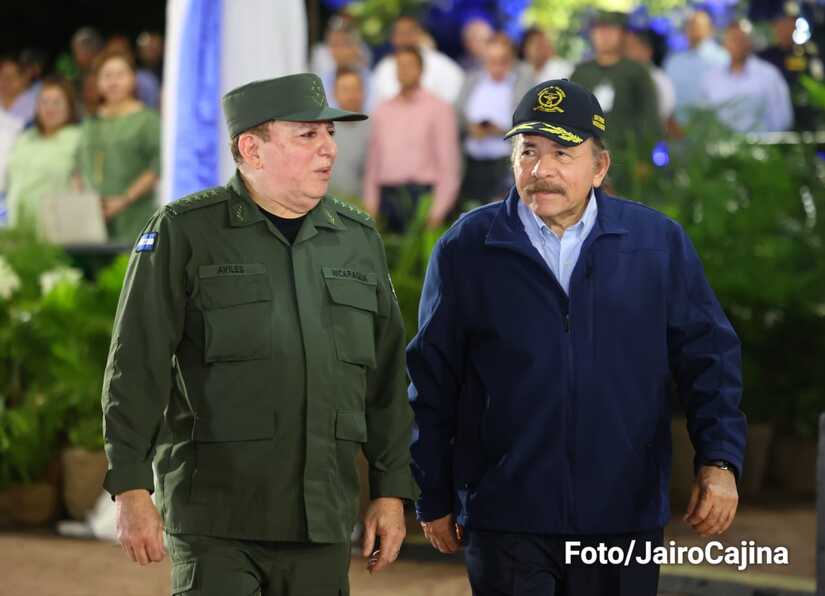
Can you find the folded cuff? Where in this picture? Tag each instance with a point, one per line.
(393, 483)
(130, 476)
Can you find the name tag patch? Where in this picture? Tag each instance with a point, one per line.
(147, 242)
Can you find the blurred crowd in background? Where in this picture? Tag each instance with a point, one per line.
(436, 126)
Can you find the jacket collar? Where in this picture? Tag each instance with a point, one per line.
(244, 211)
(507, 228)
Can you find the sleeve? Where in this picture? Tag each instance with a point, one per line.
(389, 416)
(448, 162)
(435, 364)
(147, 330)
(780, 108)
(705, 360)
(648, 107)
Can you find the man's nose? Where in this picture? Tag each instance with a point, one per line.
(545, 167)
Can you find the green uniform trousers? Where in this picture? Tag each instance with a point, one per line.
(208, 566)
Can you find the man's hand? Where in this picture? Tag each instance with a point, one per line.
(443, 533)
(384, 518)
(139, 527)
(713, 501)
(113, 205)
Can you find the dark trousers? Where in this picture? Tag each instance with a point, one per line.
(208, 566)
(507, 564)
(399, 205)
(486, 180)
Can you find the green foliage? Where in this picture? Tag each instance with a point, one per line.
(375, 17)
(408, 256)
(756, 214)
(55, 330)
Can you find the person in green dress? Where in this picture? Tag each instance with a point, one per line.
(43, 158)
(120, 149)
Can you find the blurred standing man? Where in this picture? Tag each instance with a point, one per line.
(623, 87)
(551, 327)
(257, 347)
(794, 60)
(638, 46)
(351, 137)
(440, 76)
(475, 35)
(750, 94)
(413, 150)
(687, 69)
(485, 107)
(540, 55)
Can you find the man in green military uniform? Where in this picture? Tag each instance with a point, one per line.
(625, 91)
(258, 345)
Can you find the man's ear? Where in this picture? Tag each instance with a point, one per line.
(248, 145)
(602, 166)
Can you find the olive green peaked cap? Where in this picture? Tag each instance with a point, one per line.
(295, 98)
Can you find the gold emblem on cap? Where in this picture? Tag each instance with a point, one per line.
(598, 121)
(549, 99)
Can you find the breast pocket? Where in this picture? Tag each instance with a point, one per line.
(354, 298)
(237, 312)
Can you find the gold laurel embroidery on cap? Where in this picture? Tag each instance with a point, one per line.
(525, 126)
(564, 135)
(317, 94)
(598, 121)
(549, 99)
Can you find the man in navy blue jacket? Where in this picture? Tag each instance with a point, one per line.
(552, 326)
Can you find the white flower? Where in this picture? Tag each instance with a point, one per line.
(9, 281)
(49, 280)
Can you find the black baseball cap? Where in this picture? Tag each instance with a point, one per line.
(562, 111)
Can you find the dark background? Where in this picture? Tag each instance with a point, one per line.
(49, 24)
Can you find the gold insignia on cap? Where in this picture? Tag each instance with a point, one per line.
(562, 133)
(549, 99)
(598, 121)
(318, 95)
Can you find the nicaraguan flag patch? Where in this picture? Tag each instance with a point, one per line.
(147, 242)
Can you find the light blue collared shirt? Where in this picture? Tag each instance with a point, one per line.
(560, 254)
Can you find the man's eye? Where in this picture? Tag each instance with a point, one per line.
(332, 132)
(309, 134)
(562, 154)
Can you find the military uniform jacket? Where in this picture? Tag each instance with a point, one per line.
(252, 371)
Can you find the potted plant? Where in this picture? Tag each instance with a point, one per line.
(30, 418)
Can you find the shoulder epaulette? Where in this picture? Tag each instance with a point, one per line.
(199, 199)
(351, 212)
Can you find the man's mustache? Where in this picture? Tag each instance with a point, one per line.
(545, 187)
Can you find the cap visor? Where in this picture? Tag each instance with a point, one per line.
(569, 137)
(325, 113)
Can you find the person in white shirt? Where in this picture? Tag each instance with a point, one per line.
(687, 69)
(639, 47)
(485, 108)
(441, 76)
(538, 52)
(750, 95)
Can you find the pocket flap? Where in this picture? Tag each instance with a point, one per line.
(183, 576)
(228, 285)
(351, 426)
(352, 288)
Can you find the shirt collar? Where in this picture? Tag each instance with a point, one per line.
(580, 228)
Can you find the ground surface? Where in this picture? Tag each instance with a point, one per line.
(39, 563)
